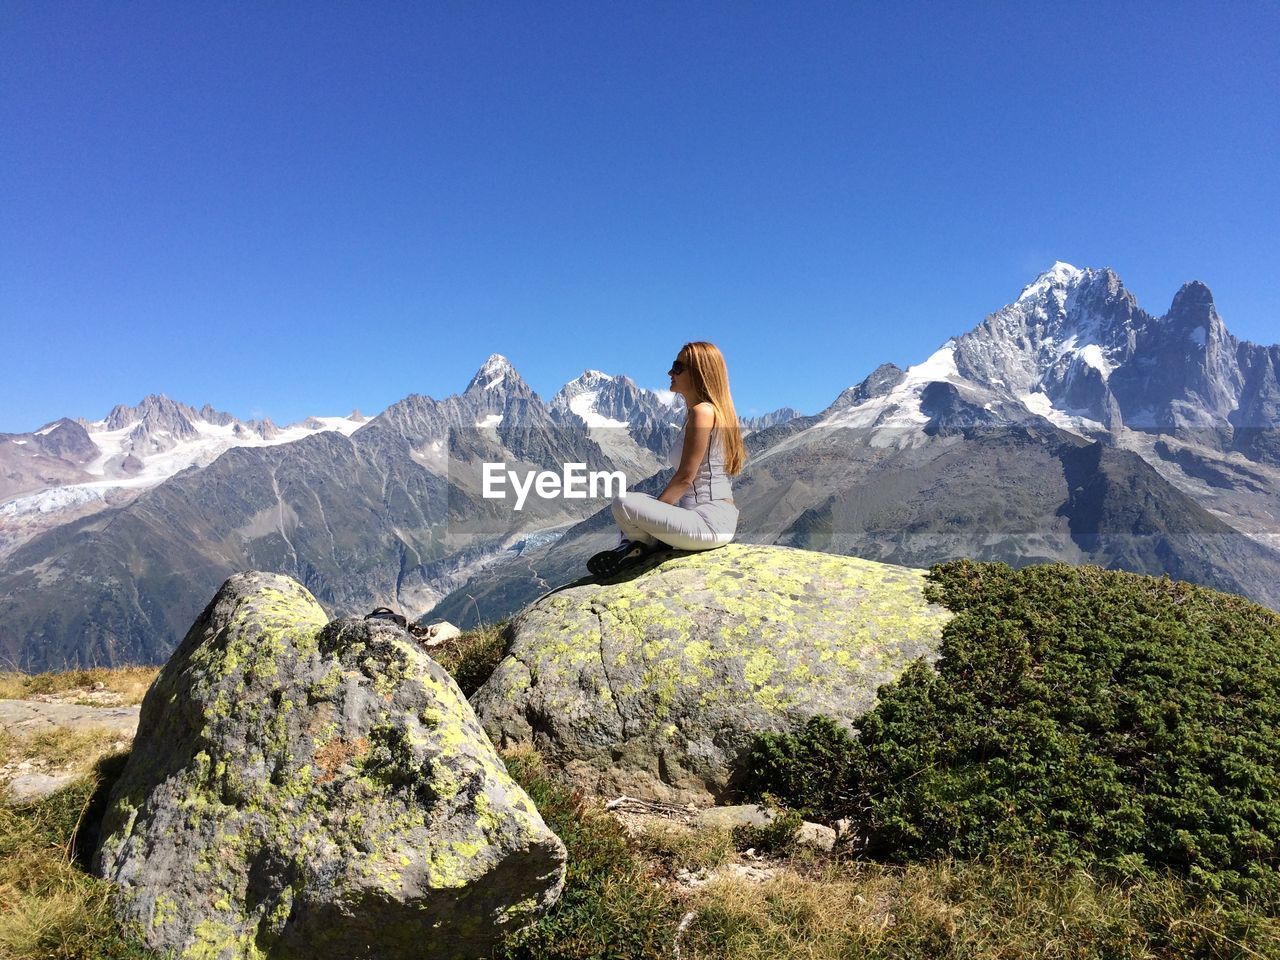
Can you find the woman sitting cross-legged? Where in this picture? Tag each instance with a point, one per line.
(696, 510)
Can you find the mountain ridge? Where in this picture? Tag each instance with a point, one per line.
(907, 465)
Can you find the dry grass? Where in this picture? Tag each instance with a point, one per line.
(130, 683)
(472, 657)
(49, 906)
(679, 847)
(965, 911)
(60, 747)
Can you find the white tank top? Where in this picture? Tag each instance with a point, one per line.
(710, 482)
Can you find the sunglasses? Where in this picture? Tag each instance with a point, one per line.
(677, 368)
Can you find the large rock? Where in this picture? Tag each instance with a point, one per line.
(653, 686)
(298, 789)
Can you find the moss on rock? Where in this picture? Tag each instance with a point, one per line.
(657, 684)
(299, 788)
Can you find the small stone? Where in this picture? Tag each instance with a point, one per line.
(816, 835)
(34, 786)
(438, 633)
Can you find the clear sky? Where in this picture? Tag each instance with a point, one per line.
(287, 209)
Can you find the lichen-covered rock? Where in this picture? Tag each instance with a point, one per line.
(298, 789)
(655, 685)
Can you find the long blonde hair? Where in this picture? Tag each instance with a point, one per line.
(711, 381)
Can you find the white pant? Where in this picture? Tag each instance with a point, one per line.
(646, 519)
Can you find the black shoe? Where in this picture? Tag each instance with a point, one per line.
(608, 562)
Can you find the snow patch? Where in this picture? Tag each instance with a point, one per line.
(896, 417)
(1061, 276)
(491, 420)
(584, 406)
(1038, 402)
(1092, 354)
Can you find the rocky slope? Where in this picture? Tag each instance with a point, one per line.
(71, 469)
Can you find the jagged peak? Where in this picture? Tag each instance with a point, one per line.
(1061, 276)
(590, 379)
(154, 406)
(492, 373)
(1193, 293)
(1193, 311)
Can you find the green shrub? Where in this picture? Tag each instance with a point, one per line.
(1081, 715)
(611, 907)
(777, 836)
(812, 769)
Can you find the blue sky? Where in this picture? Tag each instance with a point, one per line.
(297, 208)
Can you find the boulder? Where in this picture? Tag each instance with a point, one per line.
(654, 686)
(303, 789)
(734, 817)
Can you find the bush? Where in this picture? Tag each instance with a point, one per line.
(812, 770)
(777, 836)
(1081, 715)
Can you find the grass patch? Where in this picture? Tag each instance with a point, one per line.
(57, 747)
(965, 911)
(473, 656)
(611, 906)
(678, 847)
(130, 683)
(49, 906)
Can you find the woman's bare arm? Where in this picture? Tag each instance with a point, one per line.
(697, 436)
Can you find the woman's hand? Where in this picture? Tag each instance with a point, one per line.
(697, 437)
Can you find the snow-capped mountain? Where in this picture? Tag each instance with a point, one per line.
(1068, 425)
(1022, 440)
(634, 425)
(1077, 350)
(72, 468)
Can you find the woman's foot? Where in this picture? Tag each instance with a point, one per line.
(609, 562)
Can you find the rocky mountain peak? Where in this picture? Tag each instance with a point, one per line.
(156, 413)
(1193, 312)
(590, 381)
(1061, 276)
(496, 372)
(217, 417)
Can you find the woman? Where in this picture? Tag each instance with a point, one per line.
(695, 511)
